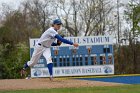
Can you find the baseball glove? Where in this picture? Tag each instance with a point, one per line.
(59, 42)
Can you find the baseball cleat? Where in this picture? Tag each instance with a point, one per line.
(23, 73)
(51, 78)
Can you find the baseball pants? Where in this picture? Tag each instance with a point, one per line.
(38, 51)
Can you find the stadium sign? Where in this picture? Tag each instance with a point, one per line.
(94, 56)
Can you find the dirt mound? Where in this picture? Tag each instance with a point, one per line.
(45, 83)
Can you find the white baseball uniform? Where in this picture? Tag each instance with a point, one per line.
(43, 47)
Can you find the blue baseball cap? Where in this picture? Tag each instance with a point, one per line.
(57, 21)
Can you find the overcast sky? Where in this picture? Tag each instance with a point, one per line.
(12, 3)
(15, 3)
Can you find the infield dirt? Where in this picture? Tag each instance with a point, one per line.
(45, 83)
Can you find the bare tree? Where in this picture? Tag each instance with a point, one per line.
(95, 15)
(68, 12)
(39, 12)
(80, 17)
(84, 17)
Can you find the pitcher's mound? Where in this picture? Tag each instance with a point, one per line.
(40, 83)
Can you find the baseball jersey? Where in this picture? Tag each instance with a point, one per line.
(48, 37)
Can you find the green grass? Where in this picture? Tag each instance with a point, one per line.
(115, 89)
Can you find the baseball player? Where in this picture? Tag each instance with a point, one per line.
(43, 45)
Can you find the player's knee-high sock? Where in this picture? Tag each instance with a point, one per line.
(50, 68)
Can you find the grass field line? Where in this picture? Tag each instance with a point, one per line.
(107, 89)
(100, 76)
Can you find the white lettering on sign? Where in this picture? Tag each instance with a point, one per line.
(74, 71)
(91, 40)
(39, 65)
(88, 40)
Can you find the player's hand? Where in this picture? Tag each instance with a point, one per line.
(75, 45)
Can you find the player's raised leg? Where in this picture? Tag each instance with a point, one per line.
(34, 59)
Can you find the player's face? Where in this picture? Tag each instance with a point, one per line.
(57, 26)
